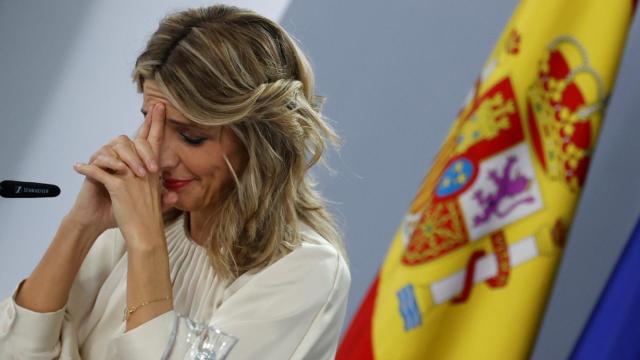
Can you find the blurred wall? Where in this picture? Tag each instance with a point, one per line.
(394, 74)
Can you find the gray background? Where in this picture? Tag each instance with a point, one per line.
(394, 73)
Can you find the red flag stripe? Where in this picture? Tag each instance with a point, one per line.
(356, 343)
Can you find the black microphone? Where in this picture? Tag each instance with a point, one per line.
(22, 189)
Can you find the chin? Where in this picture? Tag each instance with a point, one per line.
(186, 206)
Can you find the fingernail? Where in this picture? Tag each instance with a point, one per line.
(153, 166)
(141, 171)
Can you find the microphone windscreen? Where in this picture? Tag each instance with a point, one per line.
(23, 189)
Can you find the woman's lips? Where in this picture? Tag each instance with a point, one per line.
(175, 184)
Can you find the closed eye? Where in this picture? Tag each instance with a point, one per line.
(195, 141)
(192, 140)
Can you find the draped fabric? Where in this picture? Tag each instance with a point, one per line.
(469, 271)
(612, 330)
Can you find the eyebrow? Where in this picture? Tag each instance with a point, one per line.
(180, 123)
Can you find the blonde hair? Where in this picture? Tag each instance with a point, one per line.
(225, 66)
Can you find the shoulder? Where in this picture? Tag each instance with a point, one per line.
(291, 308)
(315, 272)
(318, 254)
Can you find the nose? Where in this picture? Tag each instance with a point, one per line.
(169, 158)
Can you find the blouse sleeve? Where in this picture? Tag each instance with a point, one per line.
(26, 334)
(293, 309)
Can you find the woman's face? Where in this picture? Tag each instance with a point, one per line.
(191, 155)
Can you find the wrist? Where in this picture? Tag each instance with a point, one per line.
(89, 229)
(148, 279)
(85, 233)
(146, 242)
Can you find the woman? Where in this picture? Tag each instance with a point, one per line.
(203, 234)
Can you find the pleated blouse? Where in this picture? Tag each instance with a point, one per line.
(292, 309)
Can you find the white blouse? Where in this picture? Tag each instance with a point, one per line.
(292, 309)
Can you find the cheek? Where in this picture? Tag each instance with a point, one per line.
(209, 165)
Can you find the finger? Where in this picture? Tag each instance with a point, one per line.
(95, 173)
(110, 164)
(143, 148)
(127, 153)
(143, 131)
(105, 150)
(156, 133)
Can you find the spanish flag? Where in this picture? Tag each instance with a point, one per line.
(469, 271)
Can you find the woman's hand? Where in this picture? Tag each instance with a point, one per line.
(118, 180)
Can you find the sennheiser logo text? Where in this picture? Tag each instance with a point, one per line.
(21, 189)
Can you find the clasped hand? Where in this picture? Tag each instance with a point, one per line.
(129, 172)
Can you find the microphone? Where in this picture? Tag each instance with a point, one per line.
(22, 189)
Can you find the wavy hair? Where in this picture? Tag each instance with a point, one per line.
(231, 67)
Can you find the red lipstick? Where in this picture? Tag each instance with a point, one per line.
(175, 184)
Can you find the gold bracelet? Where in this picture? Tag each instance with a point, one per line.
(130, 310)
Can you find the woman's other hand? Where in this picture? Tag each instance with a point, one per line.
(123, 185)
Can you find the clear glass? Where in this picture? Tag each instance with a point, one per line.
(206, 342)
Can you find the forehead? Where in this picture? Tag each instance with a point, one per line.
(153, 95)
